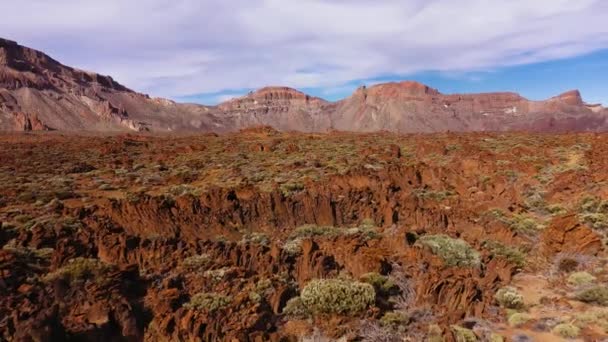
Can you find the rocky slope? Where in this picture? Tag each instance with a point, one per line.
(39, 93)
(114, 238)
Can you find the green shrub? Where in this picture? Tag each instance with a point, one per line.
(379, 282)
(311, 230)
(256, 239)
(594, 212)
(580, 278)
(197, 262)
(433, 195)
(524, 224)
(519, 318)
(206, 301)
(463, 334)
(80, 269)
(512, 254)
(293, 247)
(337, 296)
(394, 318)
(519, 223)
(566, 330)
(454, 252)
(295, 308)
(509, 298)
(595, 295)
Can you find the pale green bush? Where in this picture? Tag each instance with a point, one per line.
(566, 330)
(337, 296)
(206, 301)
(454, 252)
(509, 298)
(580, 278)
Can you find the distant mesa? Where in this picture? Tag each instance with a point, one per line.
(39, 93)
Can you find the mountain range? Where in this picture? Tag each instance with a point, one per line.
(39, 93)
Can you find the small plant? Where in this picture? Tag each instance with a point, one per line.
(80, 269)
(205, 301)
(433, 195)
(594, 212)
(295, 308)
(293, 247)
(594, 295)
(517, 319)
(197, 262)
(463, 334)
(256, 239)
(509, 298)
(580, 278)
(394, 318)
(217, 275)
(566, 330)
(380, 283)
(512, 254)
(454, 252)
(337, 296)
(524, 224)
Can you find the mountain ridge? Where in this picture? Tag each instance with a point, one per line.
(39, 93)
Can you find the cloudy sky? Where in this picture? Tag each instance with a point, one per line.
(210, 50)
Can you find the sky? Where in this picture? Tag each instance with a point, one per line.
(207, 51)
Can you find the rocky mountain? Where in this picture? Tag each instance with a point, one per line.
(39, 93)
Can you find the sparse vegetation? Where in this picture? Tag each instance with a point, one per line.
(517, 319)
(208, 302)
(594, 212)
(80, 269)
(594, 295)
(580, 278)
(510, 298)
(512, 254)
(566, 330)
(463, 334)
(454, 252)
(380, 283)
(337, 296)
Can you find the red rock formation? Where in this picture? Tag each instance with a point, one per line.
(70, 99)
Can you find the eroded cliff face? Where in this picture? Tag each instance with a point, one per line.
(112, 238)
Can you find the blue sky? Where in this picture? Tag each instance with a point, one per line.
(537, 81)
(211, 50)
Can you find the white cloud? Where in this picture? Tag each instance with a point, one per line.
(179, 47)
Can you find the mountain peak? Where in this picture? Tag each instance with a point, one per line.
(571, 97)
(401, 89)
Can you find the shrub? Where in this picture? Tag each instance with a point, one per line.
(256, 238)
(463, 334)
(580, 278)
(566, 330)
(594, 212)
(197, 262)
(524, 224)
(454, 252)
(295, 308)
(595, 295)
(512, 254)
(208, 301)
(518, 318)
(293, 247)
(337, 296)
(394, 318)
(509, 298)
(311, 230)
(379, 282)
(79, 269)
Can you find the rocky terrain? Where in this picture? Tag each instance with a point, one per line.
(39, 93)
(269, 236)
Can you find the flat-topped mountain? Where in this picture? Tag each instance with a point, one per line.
(39, 93)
